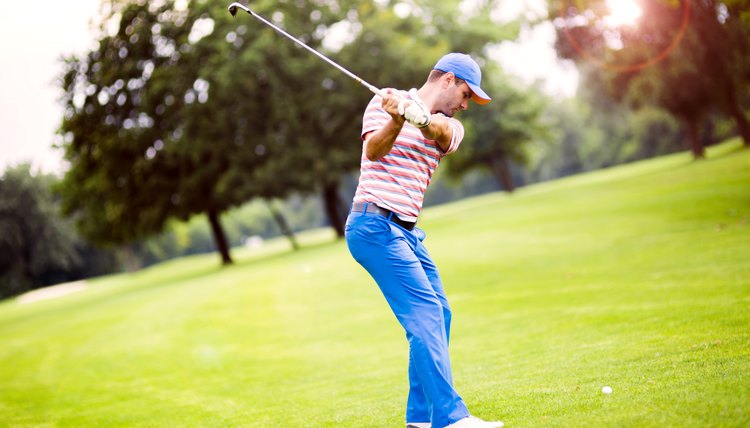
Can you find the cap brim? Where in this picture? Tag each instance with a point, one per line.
(478, 95)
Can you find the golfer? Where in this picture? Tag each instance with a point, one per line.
(405, 135)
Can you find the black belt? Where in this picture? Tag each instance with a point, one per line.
(360, 207)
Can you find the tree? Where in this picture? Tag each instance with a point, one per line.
(181, 112)
(327, 107)
(116, 186)
(731, 29)
(382, 34)
(562, 157)
(627, 134)
(33, 238)
(499, 132)
(688, 57)
(163, 121)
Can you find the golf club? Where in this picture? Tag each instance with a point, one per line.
(233, 10)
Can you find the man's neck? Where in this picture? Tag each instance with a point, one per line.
(426, 94)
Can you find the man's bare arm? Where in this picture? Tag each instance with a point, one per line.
(379, 143)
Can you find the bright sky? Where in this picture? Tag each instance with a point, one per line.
(34, 40)
(532, 58)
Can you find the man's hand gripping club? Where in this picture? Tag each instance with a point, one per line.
(415, 111)
(380, 142)
(412, 110)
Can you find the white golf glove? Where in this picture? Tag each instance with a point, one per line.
(415, 111)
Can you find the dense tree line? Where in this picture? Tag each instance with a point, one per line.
(37, 245)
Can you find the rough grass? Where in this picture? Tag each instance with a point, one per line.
(635, 277)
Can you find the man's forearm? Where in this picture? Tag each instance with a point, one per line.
(380, 143)
(439, 130)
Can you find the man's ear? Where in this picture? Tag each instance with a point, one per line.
(448, 79)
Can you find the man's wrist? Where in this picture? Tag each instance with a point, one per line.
(398, 120)
(433, 129)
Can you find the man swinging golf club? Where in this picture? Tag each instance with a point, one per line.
(405, 134)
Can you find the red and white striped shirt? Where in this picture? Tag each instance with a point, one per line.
(398, 181)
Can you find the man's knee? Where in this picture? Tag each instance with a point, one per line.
(426, 323)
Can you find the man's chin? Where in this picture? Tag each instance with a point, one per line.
(445, 113)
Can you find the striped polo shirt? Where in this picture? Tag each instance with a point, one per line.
(398, 181)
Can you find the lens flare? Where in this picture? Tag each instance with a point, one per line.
(622, 12)
(625, 13)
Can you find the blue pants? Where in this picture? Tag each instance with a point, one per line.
(409, 280)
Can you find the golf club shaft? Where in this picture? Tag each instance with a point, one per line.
(234, 6)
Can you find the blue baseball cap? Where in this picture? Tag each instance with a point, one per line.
(465, 68)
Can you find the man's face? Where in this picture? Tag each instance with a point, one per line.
(454, 97)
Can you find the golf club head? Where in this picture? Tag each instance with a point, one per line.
(234, 6)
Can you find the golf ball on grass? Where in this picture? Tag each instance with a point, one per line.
(607, 390)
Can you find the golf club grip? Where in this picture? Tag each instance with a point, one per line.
(373, 89)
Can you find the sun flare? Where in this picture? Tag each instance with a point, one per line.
(623, 12)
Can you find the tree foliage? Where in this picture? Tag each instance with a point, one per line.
(688, 57)
(33, 238)
(394, 44)
(165, 121)
(499, 133)
(591, 131)
(187, 111)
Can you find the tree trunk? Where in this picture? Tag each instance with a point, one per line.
(220, 239)
(333, 208)
(283, 224)
(128, 258)
(501, 171)
(739, 116)
(699, 152)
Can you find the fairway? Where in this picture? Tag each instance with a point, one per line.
(635, 277)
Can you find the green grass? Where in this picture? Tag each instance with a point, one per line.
(636, 277)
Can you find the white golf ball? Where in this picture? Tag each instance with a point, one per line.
(607, 390)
